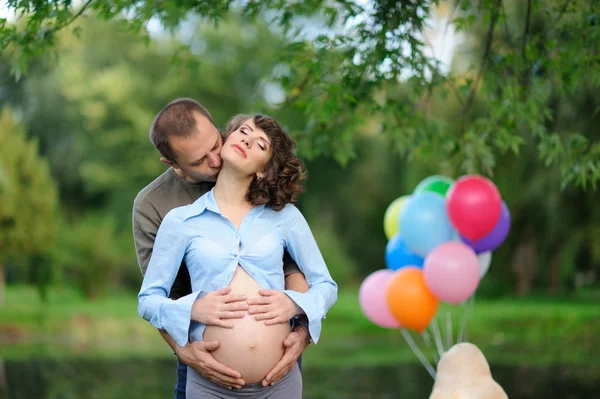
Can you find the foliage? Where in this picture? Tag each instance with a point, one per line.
(28, 200)
(95, 106)
(90, 113)
(352, 70)
(88, 255)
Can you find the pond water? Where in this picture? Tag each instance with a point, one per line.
(154, 378)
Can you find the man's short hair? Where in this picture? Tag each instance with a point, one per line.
(175, 120)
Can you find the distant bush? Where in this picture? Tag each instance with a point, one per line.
(87, 254)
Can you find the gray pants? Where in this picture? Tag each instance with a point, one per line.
(289, 387)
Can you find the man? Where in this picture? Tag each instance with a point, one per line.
(184, 134)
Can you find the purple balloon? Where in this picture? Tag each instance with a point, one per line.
(494, 238)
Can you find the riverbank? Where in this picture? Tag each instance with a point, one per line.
(524, 331)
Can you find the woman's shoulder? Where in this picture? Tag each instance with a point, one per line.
(289, 212)
(177, 214)
(184, 212)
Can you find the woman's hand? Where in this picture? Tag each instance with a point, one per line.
(198, 356)
(274, 307)
(218, 305)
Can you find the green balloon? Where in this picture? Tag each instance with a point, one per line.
(435, 184)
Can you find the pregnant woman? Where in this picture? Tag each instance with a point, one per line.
(235, 235)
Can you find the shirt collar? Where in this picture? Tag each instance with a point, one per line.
(206, 202)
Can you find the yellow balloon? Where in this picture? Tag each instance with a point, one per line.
(390, 219)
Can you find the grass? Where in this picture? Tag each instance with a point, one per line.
(524, 331)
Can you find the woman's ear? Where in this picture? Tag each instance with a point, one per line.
(261, 175)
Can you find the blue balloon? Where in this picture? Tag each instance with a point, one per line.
(424, 223)
(397, 254)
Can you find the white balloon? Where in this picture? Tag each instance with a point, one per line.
(485, 259)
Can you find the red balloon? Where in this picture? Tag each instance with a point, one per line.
(473, 204)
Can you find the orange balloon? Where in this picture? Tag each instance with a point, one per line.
(409, 300)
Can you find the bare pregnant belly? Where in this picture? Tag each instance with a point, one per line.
(250, 347)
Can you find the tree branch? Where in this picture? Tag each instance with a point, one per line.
(508, 34)
(526, 31)
(561, 13)
(486, 55)
(292, 99)
(73, 18)
(451, 16)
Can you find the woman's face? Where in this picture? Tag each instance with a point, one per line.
(248, 149)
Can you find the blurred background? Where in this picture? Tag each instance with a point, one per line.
(520, 106)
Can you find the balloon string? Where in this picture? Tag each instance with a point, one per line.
(418, 353)
(426, 338)
(438, 338)
(463, 321)
(470, 307)
(449, 330)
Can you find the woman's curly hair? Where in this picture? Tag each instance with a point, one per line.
(285, 172)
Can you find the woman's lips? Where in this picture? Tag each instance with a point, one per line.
(240, 149)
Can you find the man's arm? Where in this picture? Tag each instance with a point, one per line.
(296, 282)
(146, 222)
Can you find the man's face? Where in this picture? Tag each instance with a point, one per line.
(198, 157)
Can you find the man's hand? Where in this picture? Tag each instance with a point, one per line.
(215, 306)
(294, 344)
(273, 306)
(198, 356)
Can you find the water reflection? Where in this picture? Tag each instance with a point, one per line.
(70, 379)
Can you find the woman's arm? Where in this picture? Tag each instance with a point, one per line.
(304, 250)
(153, 302)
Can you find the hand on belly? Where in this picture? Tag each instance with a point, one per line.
(250, 347)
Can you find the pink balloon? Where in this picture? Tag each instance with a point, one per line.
(473, 204)
(371, 297)
(451, 272)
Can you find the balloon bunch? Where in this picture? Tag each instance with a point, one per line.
(440, 242)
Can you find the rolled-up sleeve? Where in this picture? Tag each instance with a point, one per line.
(322, 293)
(173, 316)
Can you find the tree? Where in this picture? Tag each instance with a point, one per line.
(3, 181)
(29, 198)
(92, 111)
(374, 63)
(91, 114)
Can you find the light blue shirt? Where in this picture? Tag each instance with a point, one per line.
(213, 247)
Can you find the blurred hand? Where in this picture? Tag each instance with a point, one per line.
(295, 343)
(213, 308)
(198, 356)
(274, 306)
